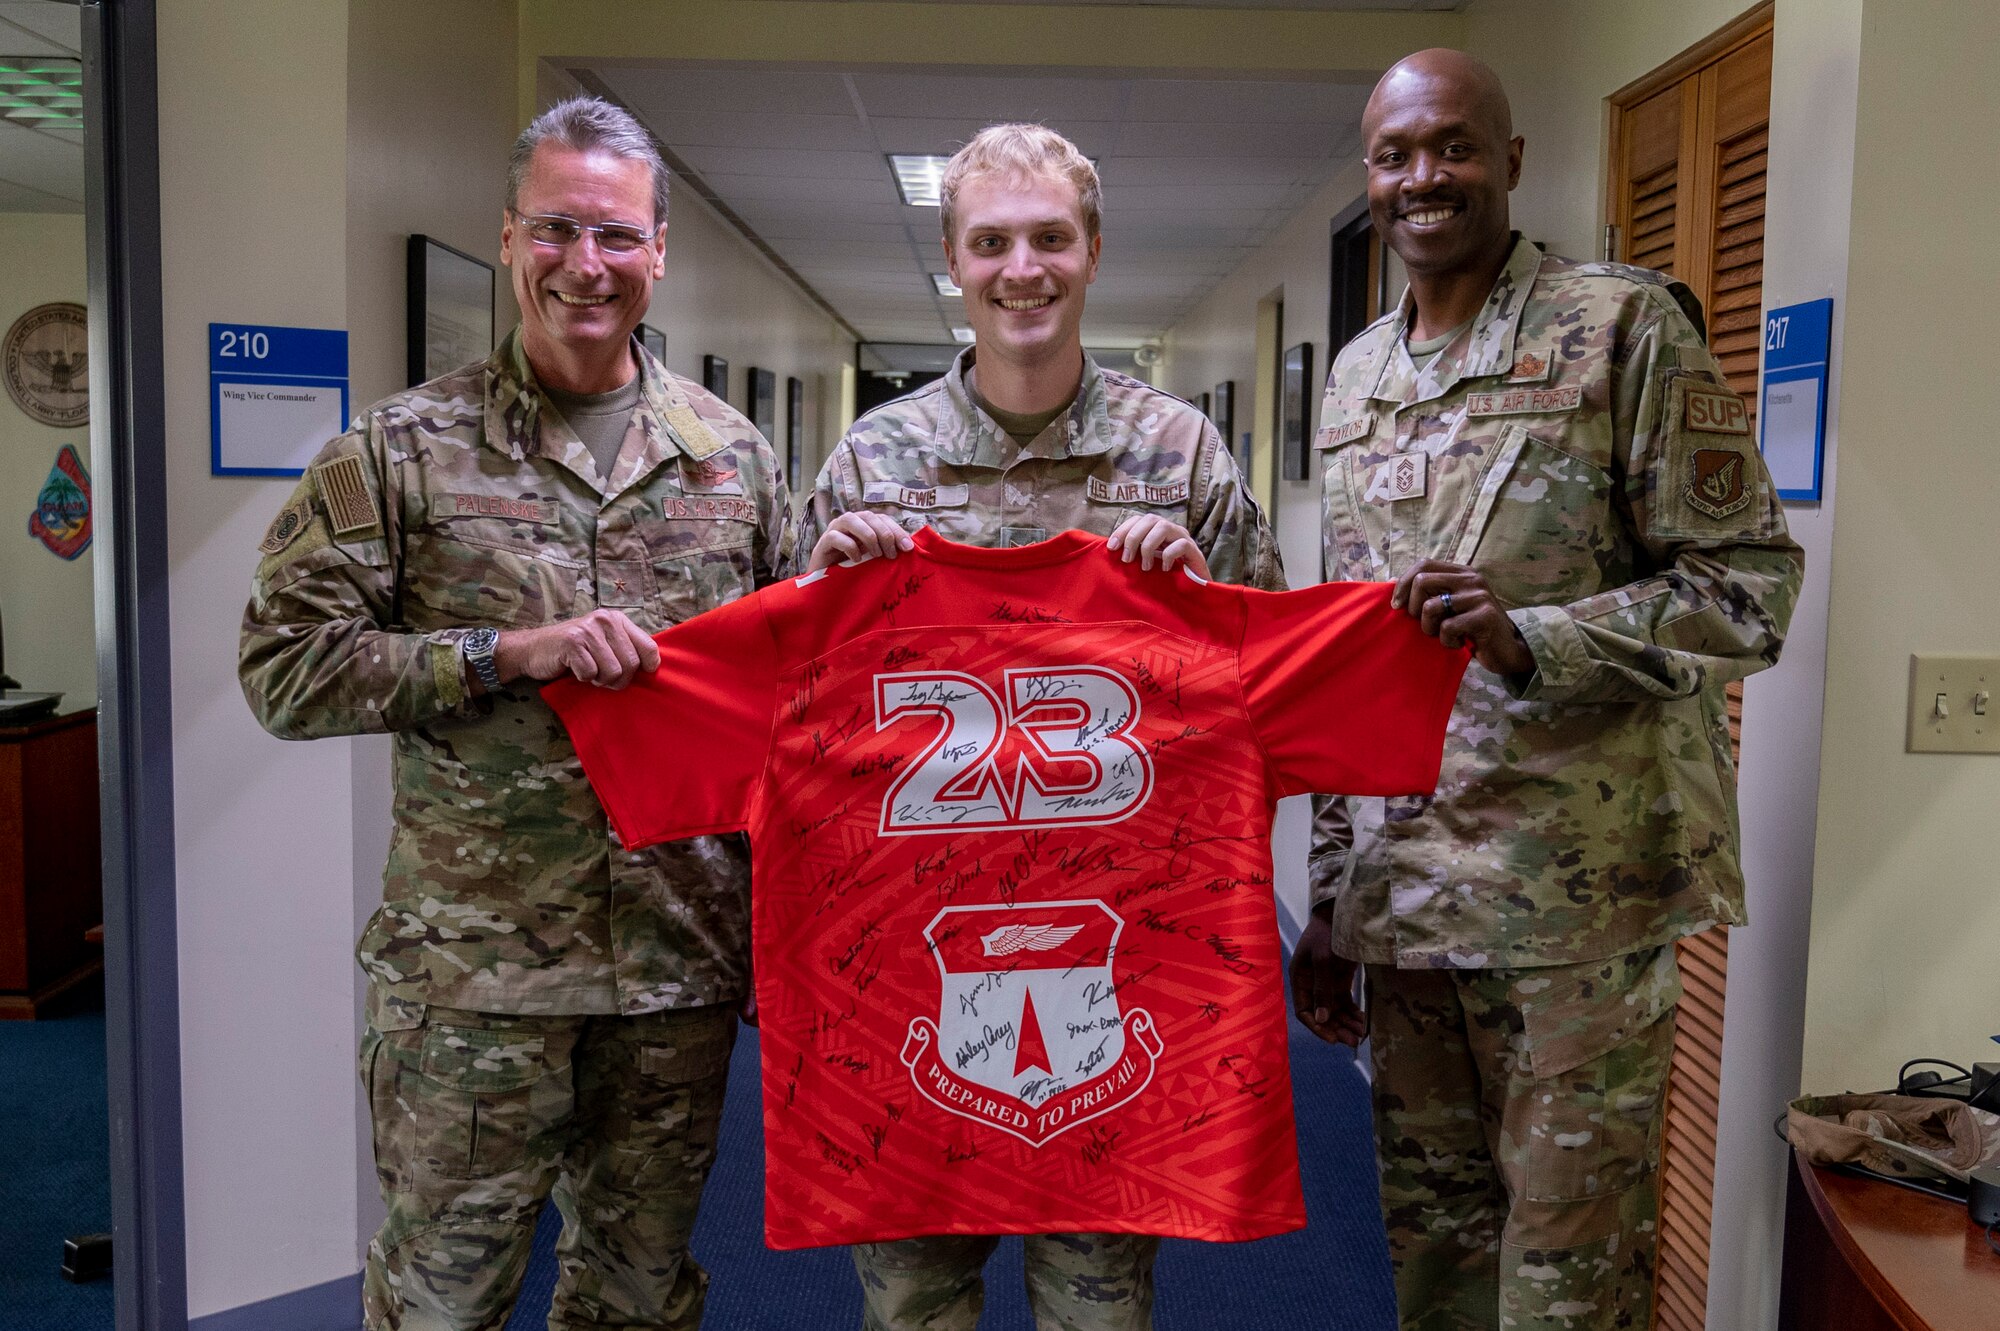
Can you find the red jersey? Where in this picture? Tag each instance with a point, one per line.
(1016, 954)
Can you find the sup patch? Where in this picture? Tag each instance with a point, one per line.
(1708, 409)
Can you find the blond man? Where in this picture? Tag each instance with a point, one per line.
(1027, 437)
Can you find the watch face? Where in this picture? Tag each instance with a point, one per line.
(480, 641)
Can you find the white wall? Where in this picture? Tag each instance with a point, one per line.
(1906, 921)
(46, 599)
(253, 116)
(1815, 56)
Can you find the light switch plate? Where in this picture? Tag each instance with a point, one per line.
(1966, 684)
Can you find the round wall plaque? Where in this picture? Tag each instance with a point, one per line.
(45, 360)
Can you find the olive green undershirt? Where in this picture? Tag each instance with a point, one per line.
(1021, 428)
(599, 419)
(1433, 347)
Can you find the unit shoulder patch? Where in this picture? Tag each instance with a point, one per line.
(292, 519)
(1718, 482)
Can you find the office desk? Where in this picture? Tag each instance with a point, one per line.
(1868, 1256)
(51, 875)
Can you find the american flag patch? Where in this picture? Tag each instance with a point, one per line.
(345, 491)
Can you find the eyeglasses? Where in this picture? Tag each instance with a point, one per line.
(559, 232)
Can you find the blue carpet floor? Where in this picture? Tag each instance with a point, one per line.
(54, 1170)
(1331, 1276)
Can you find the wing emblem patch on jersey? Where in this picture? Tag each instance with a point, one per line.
(1027, 938)
(1030, 1036)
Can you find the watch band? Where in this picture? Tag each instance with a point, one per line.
(477, 648)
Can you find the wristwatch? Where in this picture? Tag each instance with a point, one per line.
(477, 649)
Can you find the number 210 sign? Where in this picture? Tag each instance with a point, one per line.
(1792, 423)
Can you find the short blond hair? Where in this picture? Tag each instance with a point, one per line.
(1021, 152)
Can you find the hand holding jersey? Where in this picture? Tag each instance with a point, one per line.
(1147, 537)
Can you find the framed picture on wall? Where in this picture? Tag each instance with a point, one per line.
(653, 340)
(448, 309)
(762, 400)
(795, 430)
(1201, 401)
(715, 376)
(1295, 411)
(1225, 421)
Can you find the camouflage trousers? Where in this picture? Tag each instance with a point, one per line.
(1517, 1127)
(479, 1116)
(1076, 1282)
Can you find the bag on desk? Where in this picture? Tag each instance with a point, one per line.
(1905, 1136)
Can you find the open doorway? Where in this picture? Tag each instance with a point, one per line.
(54, 1157)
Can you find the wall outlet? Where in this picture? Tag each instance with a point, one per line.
(1954, 704)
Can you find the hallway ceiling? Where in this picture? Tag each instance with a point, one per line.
(41, 166)
(1198, 173)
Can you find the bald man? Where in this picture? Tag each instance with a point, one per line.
(1546, 461)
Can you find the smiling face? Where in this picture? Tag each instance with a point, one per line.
(1023, 258)
(1441, 159)
(579, 304)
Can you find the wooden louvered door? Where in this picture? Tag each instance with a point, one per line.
(1687, 198)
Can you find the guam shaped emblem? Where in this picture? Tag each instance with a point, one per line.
(1030, 1037)
(61, 519)
(45, 358)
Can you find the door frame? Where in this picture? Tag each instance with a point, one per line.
(135, 691)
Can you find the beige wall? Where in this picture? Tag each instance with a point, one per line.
(1906, 919)
(722, 298)
(1217, 340)
(426, 154)
(1560, 59)
(46, 599)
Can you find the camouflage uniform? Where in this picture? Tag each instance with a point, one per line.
(543, 1005)
(934, 459)
(1578, 446)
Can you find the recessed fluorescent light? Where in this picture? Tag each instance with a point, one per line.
(961, 334)
(41, 90)
(945, 286)
(918, 177)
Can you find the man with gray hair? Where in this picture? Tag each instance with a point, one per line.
(548, 1013)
